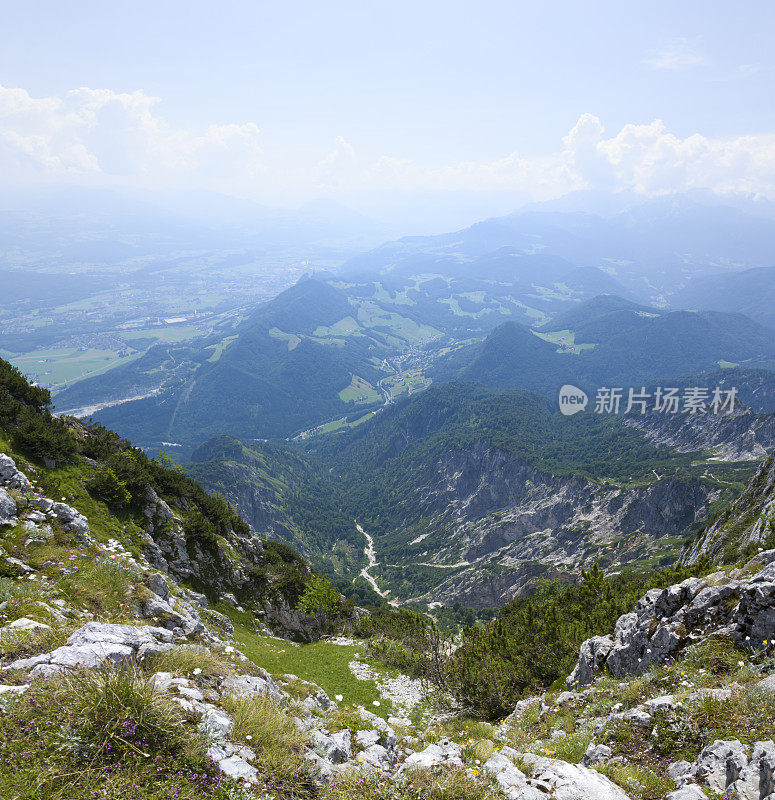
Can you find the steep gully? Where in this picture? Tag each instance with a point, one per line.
(371, 557)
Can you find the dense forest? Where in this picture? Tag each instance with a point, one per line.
(631, 345)
(382, 464)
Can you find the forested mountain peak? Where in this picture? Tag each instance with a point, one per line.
(592, 310)
(302, 307)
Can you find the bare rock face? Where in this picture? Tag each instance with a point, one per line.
(175, 615)
(444, 753)
(11, 476)
(335, 747)
(217, 723)
(234, 761)
(596, 754)
(252, 685)
(565, 781)
(25, 624)
(743, 435)
(157, 583)
(745, 524)
(665, 621)
(8, 508)
(490, 506)
(72, 520)
(511, 780)
(592, 657)
(296, 624)
(97, 643)
(728, 768)
(169, 549)
(689, 792)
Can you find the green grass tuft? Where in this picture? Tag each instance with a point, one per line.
(184, 659)
(277, 741)
(101, 736)
(640, 782)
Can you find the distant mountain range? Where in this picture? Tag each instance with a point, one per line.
(270, 378)
(609, 341)
(651, 247)
(750, 292)
(288, 365)
(69, 226)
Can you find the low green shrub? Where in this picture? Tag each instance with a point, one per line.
(320, 597)
(25, 644)
(748, 715)
(717, 654)
(105, 485)
(640, 782)
(534, 640)
(103, 586)
(571, 748)
(461, 728)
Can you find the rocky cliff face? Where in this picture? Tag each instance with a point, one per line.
(488, 517)
(503, 521)
(742, 436)
(739, 606)
(745, 526)
(237, 564)
(689, 702)
(259, 503)
(168, 548)
(284, 497)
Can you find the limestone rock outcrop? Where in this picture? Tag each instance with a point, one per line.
(666, 621)
(97, 643)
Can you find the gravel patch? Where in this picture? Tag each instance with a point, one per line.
(403, 692)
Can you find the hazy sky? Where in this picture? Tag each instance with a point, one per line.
(287, 101)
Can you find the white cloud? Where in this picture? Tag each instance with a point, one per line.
(109, 137)
(647, 159)
(98, 132)
(677, 54)
(748, 70)
(339, 166)
(651, 160)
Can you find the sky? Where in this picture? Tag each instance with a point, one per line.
(390, 104)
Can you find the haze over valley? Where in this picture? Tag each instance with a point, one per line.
(387, 401)
(413, 386)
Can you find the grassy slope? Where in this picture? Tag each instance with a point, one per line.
(323, 663)
(67, 481)
(42, 763)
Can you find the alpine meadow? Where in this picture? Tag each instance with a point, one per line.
(387, 401)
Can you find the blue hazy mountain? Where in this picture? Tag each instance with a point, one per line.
(649, 247)
(750, 292)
